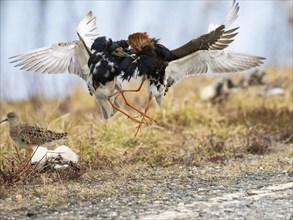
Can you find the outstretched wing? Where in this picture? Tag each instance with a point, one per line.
(217, 39)
(87, 29)
(210, 62)
(69, 57)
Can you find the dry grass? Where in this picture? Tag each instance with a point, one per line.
(120, 181)
(188, 132)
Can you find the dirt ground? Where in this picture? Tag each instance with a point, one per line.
(257, 187)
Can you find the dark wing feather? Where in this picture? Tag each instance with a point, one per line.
(217, 39)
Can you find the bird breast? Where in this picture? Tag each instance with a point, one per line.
(18, 138)
(105, 91)
(156, 89)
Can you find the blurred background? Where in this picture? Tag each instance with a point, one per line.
(265, 30)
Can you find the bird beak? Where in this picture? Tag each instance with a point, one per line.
(159, 100)
(126, 54)
(4, 120)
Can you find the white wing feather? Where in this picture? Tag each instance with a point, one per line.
(210, 62)
(231, 17)
(69, 57)
(87, 29)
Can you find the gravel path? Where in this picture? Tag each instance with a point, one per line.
(266, 195)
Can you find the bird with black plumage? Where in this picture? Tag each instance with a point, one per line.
(163, 68)
(91, 57)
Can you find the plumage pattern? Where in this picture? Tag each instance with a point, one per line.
(162, 67)
(210, 62)
(74, 57)
(139, 41)
(104, 62)
(217, 39)
(148, 60)
(152, 58)
(26, 136)
(69, 57)
(103, 65)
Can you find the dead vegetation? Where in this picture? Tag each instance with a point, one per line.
(18, 171)
(189, 132)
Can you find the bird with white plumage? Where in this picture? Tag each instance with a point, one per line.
(59, 158)
(72, 57)
(163, 68)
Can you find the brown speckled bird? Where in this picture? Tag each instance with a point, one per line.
(26, 136)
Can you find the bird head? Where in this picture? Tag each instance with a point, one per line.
(119, 52)
(139, 40)
(115, 49)
(11, 118)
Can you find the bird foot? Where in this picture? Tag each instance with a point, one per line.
(142, 121)
(142, 114)
(138, 128)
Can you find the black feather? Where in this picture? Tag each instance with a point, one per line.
(99, 44)
(149, 62)
(103, 64)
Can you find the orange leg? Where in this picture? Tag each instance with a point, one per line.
(128, 90)
(143, 115)
(124, 113)
(134, 108)
(127, 103)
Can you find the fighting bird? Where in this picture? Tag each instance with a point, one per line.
(27, 136)
(105, 58)
(81, 57)
(162, 67)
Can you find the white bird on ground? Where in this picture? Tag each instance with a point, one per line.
(59, 158)
(219, 89)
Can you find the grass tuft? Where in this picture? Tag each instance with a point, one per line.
(188, 131)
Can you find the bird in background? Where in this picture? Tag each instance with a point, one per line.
(77, 57)
(27, 136)
(218, 90)
(163, 68)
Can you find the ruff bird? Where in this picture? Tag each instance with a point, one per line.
(104, 58)
(218, 90)
(163, 68)
(254, 78)
(75, 57)
(27, 136)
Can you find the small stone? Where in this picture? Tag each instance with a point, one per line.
(31, 214)
(18, 197)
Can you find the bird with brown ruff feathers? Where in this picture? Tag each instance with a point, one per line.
(138, 41)
(162, 67)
